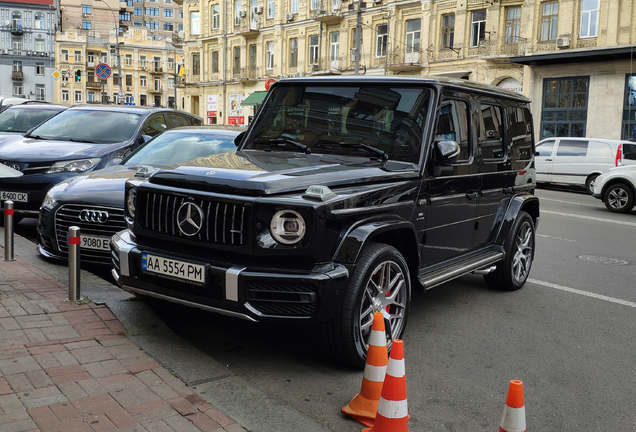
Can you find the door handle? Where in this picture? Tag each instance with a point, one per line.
(548, 160)
(471, 195)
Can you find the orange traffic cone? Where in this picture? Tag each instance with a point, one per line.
(514, 416)
(364, 405)
(392, 410)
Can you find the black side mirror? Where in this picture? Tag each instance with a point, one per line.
(238, 139)
(537, 153)
(144, 139)
(447, 151)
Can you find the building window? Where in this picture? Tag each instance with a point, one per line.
(168, 26)
(16, 22)
(17, 66)
(142, 62)
(86, 25)
(157, 81)
(589, 18)
(216, 17)
(513, 23)
(91, 97)
(181, 27)
(381, 40)
(252, 58)
(313, 50)
(78, 56)
(334, 46)
(195, 23)
(564, 112)
(142, 81)
(138, 23)
(293, 53)
(138, 11)
(64, 95)
(39, 20)
(124, 16)
(17, 46)
(115, 80)
(196, 64)
(39, 45)
(87, 9)
(152, 11)
(170, 83)
(413, 37)
(294, 6)
(128, 60)
(129, 79)
(180, 14)
(237, 59)
(78, 96)
(478, 29)
(271, 9)
(314, 5)
(549, 19)
(270, 55)
(142, 100)
(629, 109)
(168, 13)
(448, 31)
(215, 62)
(39, 69)
(65, 56)
(40, 92)
(170, 63)
(17, 90)
(152, 25)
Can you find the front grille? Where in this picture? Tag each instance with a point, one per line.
(213, 289)
(223, 222)
(68, 216)
(30, 167)
(283, 298)
(46, 242)
(115, 260)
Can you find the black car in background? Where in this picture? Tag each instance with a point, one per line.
(19, 119)
(95, 202)
(81, 139)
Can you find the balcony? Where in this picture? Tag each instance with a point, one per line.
(327, 11)
(400, 61)
(495, 49)
(327, 67)
(17, 76)
(244, 74)
(248, 28)
(16, 31)
(156, 69)
(155, 90)
(94, 84)
(124, 7)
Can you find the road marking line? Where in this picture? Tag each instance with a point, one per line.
(589, 218)
(556, 238)
(570, 202)
(585, 293)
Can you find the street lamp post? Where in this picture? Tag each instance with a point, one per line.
(121, 88)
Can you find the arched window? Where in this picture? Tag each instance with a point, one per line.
(39, 20)
(17, 21)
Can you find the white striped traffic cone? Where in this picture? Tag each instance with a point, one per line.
(514, 415)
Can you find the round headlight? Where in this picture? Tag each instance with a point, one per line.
(131, 202)
(287, 227)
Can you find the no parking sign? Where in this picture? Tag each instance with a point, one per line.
(102, 71)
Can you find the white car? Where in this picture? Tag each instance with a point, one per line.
(616, 187)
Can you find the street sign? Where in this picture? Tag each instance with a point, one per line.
(56, 74)
(122, 93)
(102, 71)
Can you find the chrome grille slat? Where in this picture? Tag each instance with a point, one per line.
(159, 212)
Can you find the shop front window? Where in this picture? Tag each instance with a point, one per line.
(564, 107)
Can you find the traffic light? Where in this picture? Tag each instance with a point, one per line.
(78, 76)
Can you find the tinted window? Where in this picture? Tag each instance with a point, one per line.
(491, 142)
(194, 121)
(545, 148)
(629, 151)
(572, 148)
(599, 149)
(86, 125)
(20, 120)
(452, 124)
(521, 133)
(154, 125)
(176, 120)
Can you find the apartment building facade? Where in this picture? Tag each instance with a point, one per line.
(148, 69)
(232, 48)
(27, 43)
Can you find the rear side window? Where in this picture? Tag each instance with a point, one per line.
(491, 142)
(195, 121)
(599, 149)
(629, 151)
(572, 148)
(176, 120)
(521, 133)
(545, 148)
(452, 125)
(154, 125)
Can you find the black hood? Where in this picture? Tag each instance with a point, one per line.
(24, 149)
(259, 173)
(104, 187)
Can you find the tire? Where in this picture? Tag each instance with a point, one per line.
(619, 198)
(345, 337)
(589, 183)
(512, 272)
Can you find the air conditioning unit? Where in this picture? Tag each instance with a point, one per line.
(128, 88)
(289, 17)
(259, 9)
(300, 74)
(315, 67)
(242, 14)
(84, 15)
(563, 42)
(4, 51)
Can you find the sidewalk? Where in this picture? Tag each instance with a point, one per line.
(70, 367)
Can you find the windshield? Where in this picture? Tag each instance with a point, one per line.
(102, 127)
(364, 121)
(20, 120)
(174, 147)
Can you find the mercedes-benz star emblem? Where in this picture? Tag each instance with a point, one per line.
(99, 216)
(189, 219)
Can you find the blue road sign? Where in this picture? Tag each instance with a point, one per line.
(102, 71)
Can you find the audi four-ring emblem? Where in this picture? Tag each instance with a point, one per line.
(189, 218)
(99, 216)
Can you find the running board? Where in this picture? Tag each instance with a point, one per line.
(438, 277)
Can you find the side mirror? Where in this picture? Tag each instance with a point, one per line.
(29, 131)
(537, 153)
(144, 139)
(447, 151)
(238, 139)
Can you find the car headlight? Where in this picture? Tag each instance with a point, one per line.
(48, 200)
(131, 201)
(77, 166)
(287, 227)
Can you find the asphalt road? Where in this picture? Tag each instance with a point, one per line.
(568, 335)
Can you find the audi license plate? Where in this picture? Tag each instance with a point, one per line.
(182, 270)
(14, 196)
(95, 242)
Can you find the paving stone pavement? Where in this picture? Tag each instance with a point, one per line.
(70, 367)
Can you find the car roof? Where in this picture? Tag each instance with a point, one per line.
(588, 139)
(204, 129)
(45, 106)
(128, 108)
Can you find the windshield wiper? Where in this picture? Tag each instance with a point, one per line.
(275, 142)
(37, 137)
(381, 153)
(82, 140)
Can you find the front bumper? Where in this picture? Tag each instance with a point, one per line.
(35, 186)
(251, 293)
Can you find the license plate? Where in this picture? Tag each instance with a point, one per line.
(173, 268)
(95, 242)
(14, 196)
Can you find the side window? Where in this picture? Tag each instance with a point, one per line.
(154, 125)
(572, 148)
(600, 149)
(545, 148)
(491, 140)
(629, 151)
(194, 121)
(521, 133)
(176, 120)
(452, 124)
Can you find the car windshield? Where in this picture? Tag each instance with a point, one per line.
(86, 125)
(20, 120)
(370, 121)
(174, 147)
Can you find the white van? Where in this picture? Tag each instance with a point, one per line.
(578, 161)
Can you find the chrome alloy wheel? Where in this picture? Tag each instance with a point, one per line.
(385, 292)
(522, 258)
(617, 198)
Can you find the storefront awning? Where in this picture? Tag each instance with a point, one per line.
(576, 56)
(254, 99)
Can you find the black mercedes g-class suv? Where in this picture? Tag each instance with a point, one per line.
(344, 194)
